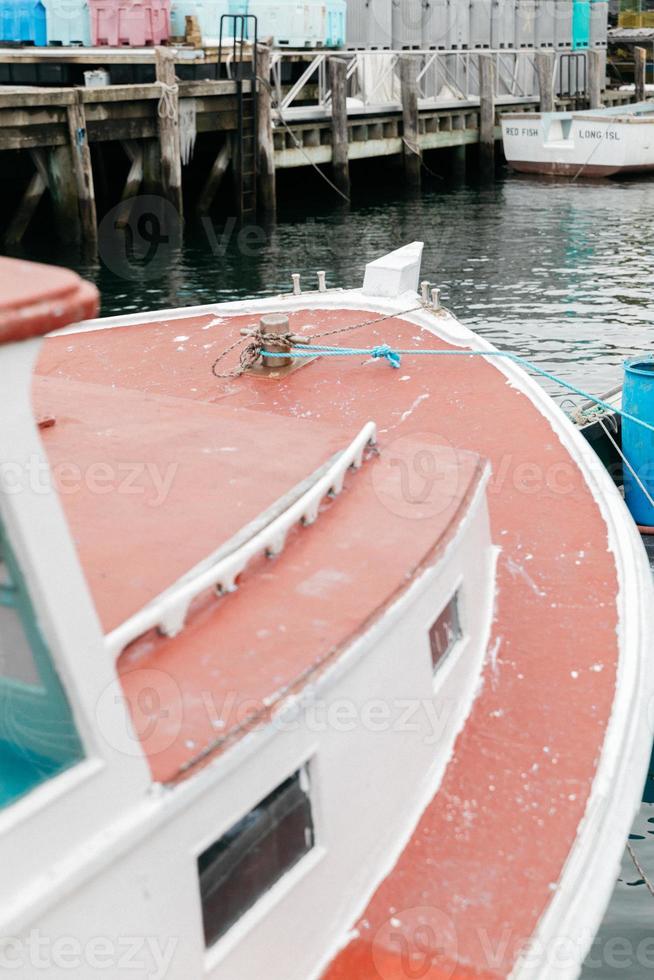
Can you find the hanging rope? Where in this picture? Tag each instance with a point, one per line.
(641, 871)
(298, 144)
(167, 107)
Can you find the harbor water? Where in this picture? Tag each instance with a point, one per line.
(557, 271)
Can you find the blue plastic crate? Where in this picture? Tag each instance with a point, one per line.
(23, 21)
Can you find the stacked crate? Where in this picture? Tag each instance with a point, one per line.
(68, 22)
(133, 23)
(206, 12)
(23, 22)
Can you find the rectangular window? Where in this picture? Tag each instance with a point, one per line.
(445, 632)
(245, 863)
(38, 736)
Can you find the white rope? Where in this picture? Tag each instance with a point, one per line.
(167, 107)
(628, 464)
(639, 868)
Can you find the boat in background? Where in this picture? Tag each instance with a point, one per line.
(588, 143)
(311, 667)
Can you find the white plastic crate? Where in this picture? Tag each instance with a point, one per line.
(68, 22)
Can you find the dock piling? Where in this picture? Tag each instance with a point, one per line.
(640, 70)
(487, 111)
(595, 79)
(168, 113)
(266, 196)
(63, 193)
(340, 139)
(545, 64)
(410, 121)
(82, 170)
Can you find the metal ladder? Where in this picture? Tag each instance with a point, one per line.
(243, 27)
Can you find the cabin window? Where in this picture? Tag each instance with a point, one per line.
(255, 853)
(38, 737)
(445, 632)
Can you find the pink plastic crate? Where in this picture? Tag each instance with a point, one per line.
(133, 23)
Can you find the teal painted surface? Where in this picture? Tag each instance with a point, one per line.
(22, 770)
(637, 442)
(336, 23)
(581, 24)
(23, 20)
(68, 21)
(38, 735)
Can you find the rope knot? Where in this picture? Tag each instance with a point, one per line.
(391, 356)
(167, 107)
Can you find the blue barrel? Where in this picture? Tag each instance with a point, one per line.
(637, 441)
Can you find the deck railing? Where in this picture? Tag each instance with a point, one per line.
(374, 80)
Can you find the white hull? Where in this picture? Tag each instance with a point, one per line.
(590, 144)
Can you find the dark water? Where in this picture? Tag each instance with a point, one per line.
(559, 272)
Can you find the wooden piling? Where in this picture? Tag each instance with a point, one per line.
(168, 113)
(640, 70)
(266, 181)
(487, 111)
(82, 170)
(340, 137)
(545, 64)
(411, 151)
(595, 79)
(63, 194)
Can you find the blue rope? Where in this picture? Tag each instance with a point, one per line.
(394, 358)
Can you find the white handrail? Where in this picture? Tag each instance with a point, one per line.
(456, 68)
(168, 611)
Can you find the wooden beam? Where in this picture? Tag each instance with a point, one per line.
(266, 183)
(132, 183)
(340, 138)
(214, 179)
(29, 202)
(410, 119)
(640, 69)
(487, 110)
(168, 110)
(545, 63)
(82, 171)
(595, 79)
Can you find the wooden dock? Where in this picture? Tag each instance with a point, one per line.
(59, 136)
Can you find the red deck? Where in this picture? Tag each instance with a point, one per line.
(523, 766)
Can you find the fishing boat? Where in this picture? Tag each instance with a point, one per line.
(324, 640)
(590, 143)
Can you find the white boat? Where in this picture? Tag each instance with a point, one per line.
(308, 670)
(590, 143)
